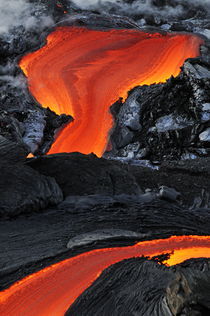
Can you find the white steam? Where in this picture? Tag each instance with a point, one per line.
(20, 12)
(141, 6)
(92, 3)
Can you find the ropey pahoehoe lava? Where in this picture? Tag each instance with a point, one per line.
(82, 72)
(54, 289)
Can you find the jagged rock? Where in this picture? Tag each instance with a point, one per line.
(206, 107)
(31, 125)
(24, 190)
(127, 122)
(34, 129)
(54, 124)
(170, 123)
(205, 135)
(79, 174)
(188, 293)
(173, 117)
(11, 127)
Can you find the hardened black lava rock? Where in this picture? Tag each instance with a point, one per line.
(79, 174)
(22, 119)
(144, 288)
(166, 121)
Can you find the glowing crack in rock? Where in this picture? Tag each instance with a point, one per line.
(82, 72)
(53, 290)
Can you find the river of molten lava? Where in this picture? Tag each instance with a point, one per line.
(52, 290)
(82, 72)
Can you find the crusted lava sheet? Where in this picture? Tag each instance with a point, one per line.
(58, 286)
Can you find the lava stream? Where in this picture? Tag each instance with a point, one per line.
(82, 72)
(52, 290)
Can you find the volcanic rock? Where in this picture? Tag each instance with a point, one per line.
(79, 174)
(188, 293)
(105, 234)
(100, 179)
(12, 152)
(190, 178)
(167, 121)
(168, 193)
(140, 287)
(53, 229)
(22, 189)
(23, 121)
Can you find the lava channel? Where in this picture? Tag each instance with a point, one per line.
(82, 72)
(53, 290)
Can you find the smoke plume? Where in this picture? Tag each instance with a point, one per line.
(14, 13)
(158, 8)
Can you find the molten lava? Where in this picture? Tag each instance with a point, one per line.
(81, 72)
(52, 290)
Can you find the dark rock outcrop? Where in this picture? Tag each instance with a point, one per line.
(23, 189)
(11, 152)
(143, 288)
(188, 293)
(166, 121)
(79, 174)
(188, 177)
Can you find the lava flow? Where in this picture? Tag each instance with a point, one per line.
(52, 290)
(82, 72)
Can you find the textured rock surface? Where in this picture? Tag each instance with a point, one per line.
(78, 174)
(87, 181)
(168, 121)
(101, 235)
(45, 235)
(22, 189)
(139, 287)
(12, 152)
(189, 177)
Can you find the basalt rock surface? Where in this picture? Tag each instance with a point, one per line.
(140, 287)
(78, 174)
(12, 152)
(166, 121)
(22, 189)
(45, 235)
(86, 175)
(25, 122)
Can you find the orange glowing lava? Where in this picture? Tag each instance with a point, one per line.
(82, 72)
(52, 290)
